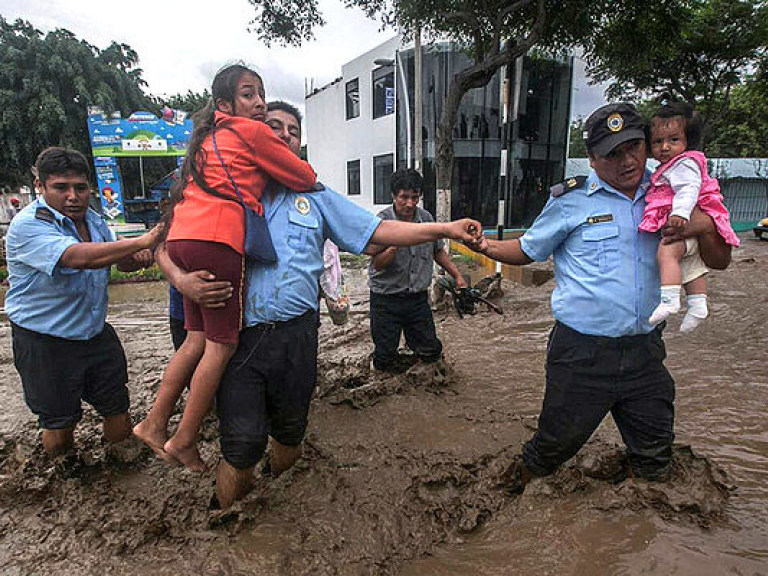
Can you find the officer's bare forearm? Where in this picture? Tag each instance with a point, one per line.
(715, 252)
(90, 255)
(397, 233)
(506, 251)
(167, 266)
(385, 258)
(443, 258)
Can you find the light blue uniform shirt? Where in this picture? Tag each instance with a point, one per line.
(45, 297)
(299, 224)
(606, 275)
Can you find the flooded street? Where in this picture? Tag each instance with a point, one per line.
(414, 474)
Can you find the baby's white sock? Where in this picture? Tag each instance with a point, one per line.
(670, 304)
(697, 312)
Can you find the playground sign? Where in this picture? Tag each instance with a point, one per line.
(140, 135)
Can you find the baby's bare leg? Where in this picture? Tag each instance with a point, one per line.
(696, 286)
(671, 271)
(669, 257)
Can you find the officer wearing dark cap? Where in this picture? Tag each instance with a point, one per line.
(603, 354)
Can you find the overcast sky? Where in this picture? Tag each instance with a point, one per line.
(182, 43)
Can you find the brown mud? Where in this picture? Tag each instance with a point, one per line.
(414, 473)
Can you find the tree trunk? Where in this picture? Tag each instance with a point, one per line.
(475, 76)
(444, 151)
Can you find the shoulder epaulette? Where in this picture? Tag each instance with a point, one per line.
(567, 185)
(44, 214)
(318, 187)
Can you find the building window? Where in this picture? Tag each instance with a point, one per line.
(383, 166)
(383, 91)
(353, 99)
(353, 178)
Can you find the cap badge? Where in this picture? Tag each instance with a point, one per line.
(615, 122)
(302, 205)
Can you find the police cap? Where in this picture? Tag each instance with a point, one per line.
(611, 125)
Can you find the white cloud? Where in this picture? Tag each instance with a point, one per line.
(181, 44)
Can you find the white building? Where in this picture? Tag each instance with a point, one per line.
(360, 128)
(346, 137)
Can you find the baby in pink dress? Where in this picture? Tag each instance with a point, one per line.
(679, 184)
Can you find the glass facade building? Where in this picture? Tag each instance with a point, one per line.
(536, 133)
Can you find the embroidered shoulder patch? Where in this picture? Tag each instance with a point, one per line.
(566, 186)
(44, 214)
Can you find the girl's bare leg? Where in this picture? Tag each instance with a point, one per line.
(153, 430)
(205, 382)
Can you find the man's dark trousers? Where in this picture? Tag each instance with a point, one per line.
(589, 376)
(404, 312)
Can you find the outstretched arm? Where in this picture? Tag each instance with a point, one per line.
(91, 255)
(506, 251)
(443, 258)
(398, 233)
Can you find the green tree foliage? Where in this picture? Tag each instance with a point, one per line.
(743, 132)
(577, 147)
(287, 22)
(493, 32)
(47, 82)
(190, 102)
(697, 51)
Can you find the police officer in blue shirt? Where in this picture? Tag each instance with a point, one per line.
(59, 252)
(603, 354)
(268, 385)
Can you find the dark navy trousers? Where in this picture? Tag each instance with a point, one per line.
(406, 313)
(589, 376)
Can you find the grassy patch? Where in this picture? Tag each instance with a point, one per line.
(144, 275)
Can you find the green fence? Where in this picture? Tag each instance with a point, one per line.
(746, 200)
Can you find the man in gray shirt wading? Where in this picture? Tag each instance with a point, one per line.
(399, 278)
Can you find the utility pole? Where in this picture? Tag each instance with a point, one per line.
(503, 157)
(417, 100)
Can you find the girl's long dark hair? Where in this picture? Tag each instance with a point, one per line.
(224, 87)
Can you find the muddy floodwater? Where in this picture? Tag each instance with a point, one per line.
(415, 474)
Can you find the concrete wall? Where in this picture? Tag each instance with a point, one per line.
(325, 136)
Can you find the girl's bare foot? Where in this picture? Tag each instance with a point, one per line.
(152, 436)
(187, 455)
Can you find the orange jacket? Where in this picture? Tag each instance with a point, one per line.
(252, 161)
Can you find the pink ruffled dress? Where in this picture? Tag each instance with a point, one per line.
(658, 199)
